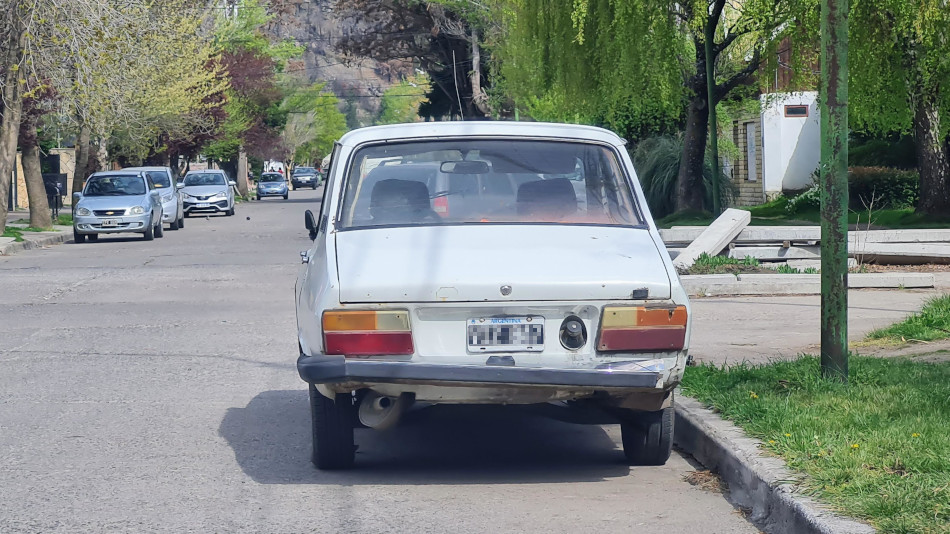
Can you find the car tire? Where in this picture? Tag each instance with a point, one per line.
(149, 233)
(648, 436)
(293, 187)
(173, 225)
(159, 229)
(286, 195)
(92, 237)
(79, 238)
(332, 425)
(258, 197)
(181, 221)
(314, 186)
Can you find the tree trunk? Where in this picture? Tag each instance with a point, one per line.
(40, 216)
(12, 95)
(689, 181)
(932, 158)
(81, 170)
(479, 97)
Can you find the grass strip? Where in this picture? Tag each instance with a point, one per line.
(932, 322)
(877, 449)
(15, 233)
(706, 264)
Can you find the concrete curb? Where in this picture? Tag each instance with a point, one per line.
(706, 285)
(759, 483)
(31, 242)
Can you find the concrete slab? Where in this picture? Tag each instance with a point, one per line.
(936, 235)
(813, 264)
(795, 284)
(749, 234)
(890, 280)
(715, 237)
(901, 253)
(707, 285)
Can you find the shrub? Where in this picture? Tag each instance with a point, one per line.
(657, 161)
(890, 188)
(899, 153)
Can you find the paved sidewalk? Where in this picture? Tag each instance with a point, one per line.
(31, 240)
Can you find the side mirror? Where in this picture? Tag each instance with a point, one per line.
(76, 196)
(310, 223)
(232, 183)
(180, 185)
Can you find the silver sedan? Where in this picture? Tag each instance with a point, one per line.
(117, 202)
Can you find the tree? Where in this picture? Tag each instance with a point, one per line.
(315, 122)
(899, 82)
(637, 66)
(401, 102)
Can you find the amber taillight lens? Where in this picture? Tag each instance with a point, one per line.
(367, 332)
(642, 328)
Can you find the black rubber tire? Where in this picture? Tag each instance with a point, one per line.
(173, 225)
(231, 211)
(181, 221)
(79, 238)
(294, 187)
(149, 233)
(286, 195)
(92, 237)
(648, 436)
(159, 229)
(258, 197)
(314, 186)
(332, 426)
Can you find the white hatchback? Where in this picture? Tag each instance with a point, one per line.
(488, 263)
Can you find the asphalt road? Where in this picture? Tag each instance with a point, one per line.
(151, 386)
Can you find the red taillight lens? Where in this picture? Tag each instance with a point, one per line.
(643, 329)
(440, 205)
(367, 333)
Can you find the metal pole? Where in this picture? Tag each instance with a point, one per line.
(713, 126)
(834, 189)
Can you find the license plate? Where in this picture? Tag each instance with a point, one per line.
(506, 334)
(110, 222)
(204, 204)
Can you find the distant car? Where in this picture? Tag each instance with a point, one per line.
(115, 202)
(488, 263)
(208, 191)
(305, 177)
(272, 184)
(173, 212)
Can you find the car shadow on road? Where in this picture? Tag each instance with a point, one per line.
(435, 445)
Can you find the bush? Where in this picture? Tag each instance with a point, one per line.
(657, 161)
(889, 188)
(895, 152)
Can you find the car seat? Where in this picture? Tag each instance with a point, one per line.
(553, 198)
(395, 201)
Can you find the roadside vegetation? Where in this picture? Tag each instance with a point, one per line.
(877, 449)
(931, 323)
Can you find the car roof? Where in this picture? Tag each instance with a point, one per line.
(122, 172)
(152, 168)
(480, 128)
(204, 171)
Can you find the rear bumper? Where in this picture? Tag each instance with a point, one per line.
(336, 369)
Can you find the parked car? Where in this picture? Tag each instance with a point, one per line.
(305, 177)
(207, 191)
(115, 202)
(526, 289)
(272, 184)
(173, 212)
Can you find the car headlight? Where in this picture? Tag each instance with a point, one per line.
(137, 210)
(83, 212)
(220, 196)
(167, 198)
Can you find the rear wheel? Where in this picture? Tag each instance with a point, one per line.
(92, 237)
(314, 186)
(286, 195)
(648, 436)
(79, 238)
(332, 425)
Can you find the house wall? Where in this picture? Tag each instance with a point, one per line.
(67, 165)
(791, 145)
(746, 170)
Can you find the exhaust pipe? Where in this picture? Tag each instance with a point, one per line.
(380, 412)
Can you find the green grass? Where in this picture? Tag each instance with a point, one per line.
(706, 264)
(877, 449)
(15, 233)
(64, 219)
(930, 323)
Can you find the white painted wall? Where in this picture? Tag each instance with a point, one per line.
(790, 145)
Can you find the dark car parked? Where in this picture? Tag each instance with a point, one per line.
(305, 177)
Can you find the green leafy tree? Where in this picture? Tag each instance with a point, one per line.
(315, 122)
(401, 101)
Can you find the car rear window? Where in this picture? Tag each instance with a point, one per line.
(478, 181)
(272, 177)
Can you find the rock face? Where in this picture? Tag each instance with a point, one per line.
(359, 82)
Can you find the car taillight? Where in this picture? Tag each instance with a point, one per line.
(367, 333)
(440, 205)
(641, 328)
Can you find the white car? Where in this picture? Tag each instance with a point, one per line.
(207, 191)
(522, 289)
(173, 212)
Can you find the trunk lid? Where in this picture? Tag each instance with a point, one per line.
(472, 263)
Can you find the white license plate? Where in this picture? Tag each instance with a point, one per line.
(204, 204)
(506, 334)
(110, 223)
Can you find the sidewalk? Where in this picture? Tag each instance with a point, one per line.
(31, 240)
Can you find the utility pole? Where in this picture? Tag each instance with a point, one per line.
(834, 189)
(710, 33)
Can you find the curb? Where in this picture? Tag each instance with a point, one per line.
(709, 285)
(756, 482)
(29, 244)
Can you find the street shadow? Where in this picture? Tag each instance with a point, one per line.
(435, 445)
